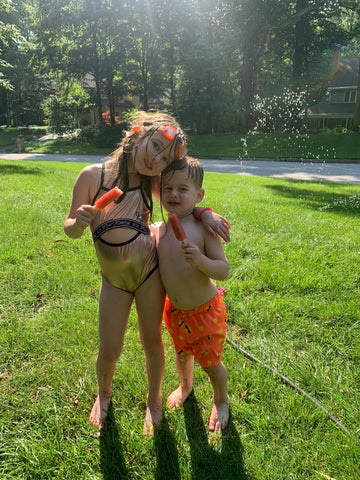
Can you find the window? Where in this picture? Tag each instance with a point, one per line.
(350, 96)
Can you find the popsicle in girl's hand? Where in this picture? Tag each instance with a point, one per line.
(177, 227)
(109, 197)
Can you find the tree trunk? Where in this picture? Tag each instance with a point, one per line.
(300, 62)
(249, 83)
(356, 125)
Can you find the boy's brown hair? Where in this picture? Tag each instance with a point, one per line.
(193, 167)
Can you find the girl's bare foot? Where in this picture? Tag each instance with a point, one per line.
(219, 416)
(153, 417)
(178, 397)
(99, 411)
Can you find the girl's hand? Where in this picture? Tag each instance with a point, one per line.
(84, 216)
(215, 224)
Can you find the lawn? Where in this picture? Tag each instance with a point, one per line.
(324, 146)
(293, 303)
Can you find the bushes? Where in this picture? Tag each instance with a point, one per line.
(102, 136)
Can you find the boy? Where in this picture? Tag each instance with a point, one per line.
(194, 313)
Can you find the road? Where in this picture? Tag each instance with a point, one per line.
(317, 171)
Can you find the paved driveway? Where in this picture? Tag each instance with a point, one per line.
(317, 171)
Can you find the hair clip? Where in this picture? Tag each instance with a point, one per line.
(169, 132)
(135, 129)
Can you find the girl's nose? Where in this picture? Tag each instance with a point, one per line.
(158, 163)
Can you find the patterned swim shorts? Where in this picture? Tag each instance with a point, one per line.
(199, 332)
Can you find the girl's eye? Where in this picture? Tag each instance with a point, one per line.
(156, 146)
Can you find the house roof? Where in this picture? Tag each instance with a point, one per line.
(346, 76)
(347, 73)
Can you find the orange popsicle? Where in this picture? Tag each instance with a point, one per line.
(109, 197)
(177, 227)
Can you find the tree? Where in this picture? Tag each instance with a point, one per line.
(82, 39)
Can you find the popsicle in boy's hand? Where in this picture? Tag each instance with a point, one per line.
(177, 227)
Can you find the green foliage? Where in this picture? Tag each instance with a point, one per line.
(282, 113)
(61, 112)
(102, 136)
(207, 60)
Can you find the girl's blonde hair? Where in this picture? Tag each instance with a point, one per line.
(142, 124)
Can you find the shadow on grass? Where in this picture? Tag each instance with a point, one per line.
(112, 461)
(19, 170)
(167, 467)
(324, 201)
(206, 463)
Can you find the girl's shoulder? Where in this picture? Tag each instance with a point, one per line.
(91, 173)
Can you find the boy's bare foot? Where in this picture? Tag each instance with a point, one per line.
(99, 411)
(178, 397)
(219, 416)
(153, 417)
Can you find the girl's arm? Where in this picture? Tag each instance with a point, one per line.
(81, 212)
(213, 223)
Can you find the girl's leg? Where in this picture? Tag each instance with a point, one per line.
(114, 309)
(220, 413)
(149, 300)
(185, 368)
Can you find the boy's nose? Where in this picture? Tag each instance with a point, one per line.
(173, 193)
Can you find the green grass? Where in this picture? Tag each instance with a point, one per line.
(293, 302)
(277, 145)
(252, 145)
(8, 134)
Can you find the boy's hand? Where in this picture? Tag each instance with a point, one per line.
(192, 253)
(84, 216)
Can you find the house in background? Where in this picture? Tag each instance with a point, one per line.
(121, 105)
(339, 108)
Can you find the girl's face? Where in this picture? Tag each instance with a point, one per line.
(179, 193)
(152, 154)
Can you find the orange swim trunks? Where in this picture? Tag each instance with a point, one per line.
(199, 332)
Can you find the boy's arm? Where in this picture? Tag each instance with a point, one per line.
(213, 222)
(213, 263)
(155, 187)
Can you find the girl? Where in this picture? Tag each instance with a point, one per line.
(126, 250)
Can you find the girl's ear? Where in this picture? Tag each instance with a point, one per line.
(200, 195)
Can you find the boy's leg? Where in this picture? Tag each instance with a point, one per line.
(185, 368)
(114, 308)
(220, 413)
(149, 300)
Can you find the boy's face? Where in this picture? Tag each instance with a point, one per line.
(179, 193)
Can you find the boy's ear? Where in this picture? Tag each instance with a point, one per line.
(200, 195)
